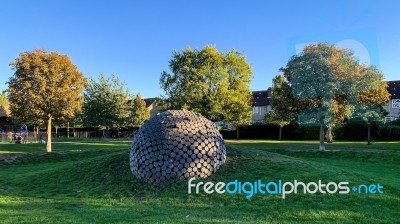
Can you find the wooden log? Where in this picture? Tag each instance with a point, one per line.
(171, 143)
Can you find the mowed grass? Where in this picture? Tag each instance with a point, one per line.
(91, 182)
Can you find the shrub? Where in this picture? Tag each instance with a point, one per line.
(389, 132)
(309, 132)
(338, 132)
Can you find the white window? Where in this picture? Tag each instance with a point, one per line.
(396, 103)
(256, 110)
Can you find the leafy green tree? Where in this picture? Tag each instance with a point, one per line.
(284, 104)
(276, 119)
(45, 87)
(105, 103)
(138, 112)
(215, 84)
(313, 79)
(330, 80)
(369, 109)
(4, 105)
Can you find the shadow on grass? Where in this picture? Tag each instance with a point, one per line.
(97, 186)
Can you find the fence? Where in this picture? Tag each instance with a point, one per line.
(9, 136)
(290, 132)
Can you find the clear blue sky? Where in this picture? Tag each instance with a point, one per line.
(135, 39)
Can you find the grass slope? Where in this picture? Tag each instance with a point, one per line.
(91, 182)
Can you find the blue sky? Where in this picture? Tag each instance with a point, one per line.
(135, 39)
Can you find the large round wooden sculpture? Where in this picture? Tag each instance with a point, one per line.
(176, 145)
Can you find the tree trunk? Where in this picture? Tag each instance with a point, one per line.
(329, 134)
(321, 137)
(36, 130)
(280, 133)
(369, 134)
(67, 129)
(237, 131)
(48, 143)
(34, 133)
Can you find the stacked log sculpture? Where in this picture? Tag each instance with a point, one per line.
(176, 145)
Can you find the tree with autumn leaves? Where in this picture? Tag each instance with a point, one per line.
(45, 87)
(325, 85)
(4, 105)
(48, 89)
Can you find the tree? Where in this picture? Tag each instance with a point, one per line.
(4, 105)
(276, 119)
(46, 86)
(283, 103)
(138, 112)
(369, 108)
(330, 81)
(215, 84)
(105, 103)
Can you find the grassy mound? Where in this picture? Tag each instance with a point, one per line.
(92, 182)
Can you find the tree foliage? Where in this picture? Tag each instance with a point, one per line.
(284, 104)
(329, 86)
(138, 112)
(46, 86)
(215, 84)
(276, 119)
(4, 105)
(105, 103)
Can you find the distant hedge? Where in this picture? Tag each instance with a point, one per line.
(352, 131)
(390, 131)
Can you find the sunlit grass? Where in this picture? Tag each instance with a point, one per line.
(62, 146)
(91, 182)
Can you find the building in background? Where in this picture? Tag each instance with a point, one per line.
(3, 112)
(261, 105)
(5, 118)
(152, 107)
(393, 107)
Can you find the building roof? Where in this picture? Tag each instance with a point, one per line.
(4, 111)
(260, 98)
(149, 101)
(394, 89)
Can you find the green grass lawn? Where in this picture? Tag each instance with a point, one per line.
(90, 182)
